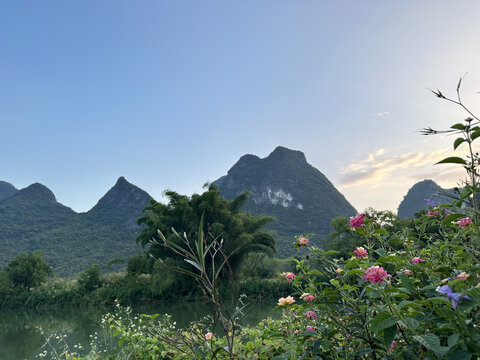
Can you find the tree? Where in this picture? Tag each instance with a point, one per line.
(241, 232)
(90, 279)
(28, 270)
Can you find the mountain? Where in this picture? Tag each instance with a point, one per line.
(32, 219)
(286, 186)
(6, 190)
(414, 200)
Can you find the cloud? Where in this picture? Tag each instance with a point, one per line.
(382, 113)
(377, 167)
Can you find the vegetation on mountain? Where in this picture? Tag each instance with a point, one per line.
(6, 190)
(415, 199)
(285, 186)
(31, 219)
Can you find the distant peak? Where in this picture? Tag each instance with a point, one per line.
(283, 153)
(121, 181)
(39, 190)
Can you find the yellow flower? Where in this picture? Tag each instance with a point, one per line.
(338, 271)
(286, 301)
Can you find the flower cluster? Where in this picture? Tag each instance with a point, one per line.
(311, 315)
(417, 260)
(357, 221)
(375, 274)
(303, 241)
(407, 272)
(360, 252)
(289, 276)
(462, 276)
(286, 301)
(464, 222)
(310, 328)
(432, 213)
(208, 336)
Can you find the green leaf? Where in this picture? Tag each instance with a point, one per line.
(452, 217)
(383, 320)
(452, 160)
(432, 343)
(381, 252)
(363, 352)
(458, 126)
(411, 323)
(475, 134)
(331, 252)
(389, 335)
(355, 272)
(459, 355)
(458, 142)
(452, 339)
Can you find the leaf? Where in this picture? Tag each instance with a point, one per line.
(458, 126)
(383, 320)
(459, 355)
(381, 252)
(355, 272)
(432, 343)
(363, 352)
(411, 323)
(452, 339)
(452, 217)
(452, 160)
(457, 143)
(331, 252)
(281, 357)
(200, 249)
(475, 134)
(389, 335)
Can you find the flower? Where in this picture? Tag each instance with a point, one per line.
(392, 346)
(417, 260)
(208, 336)
(430, 202)
(462, 276)
(447, 290)
(309, 298)
(338, 271)
(464, 222)
(303, 241)
(432, 213)
(311, 315)
(375, 274)
(289, 276)
(310, 328)
(357, 221)
(286, 301)
(407, 272)
(304, 295)
(360, 252)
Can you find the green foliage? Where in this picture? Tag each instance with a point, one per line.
(240, 232)
(32, 219)
(89, 280)
(27, 271)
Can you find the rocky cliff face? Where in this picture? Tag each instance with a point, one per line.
(286, 186)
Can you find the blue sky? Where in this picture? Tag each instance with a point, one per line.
(170, 94)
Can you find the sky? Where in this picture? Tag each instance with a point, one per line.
(170, 94)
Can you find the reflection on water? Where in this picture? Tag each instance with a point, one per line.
(22, 339)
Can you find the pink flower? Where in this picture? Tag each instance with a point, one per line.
(463, 223)
(289, 276)
(360, 252)
(311, 315)
(208, 336)
(392, 346)
(432, 213)
(309, 298)
(303, 241)
(375, 274)
(417, 260)
(407, 272)
(310, 328)
(462, 276)
(357, 221)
